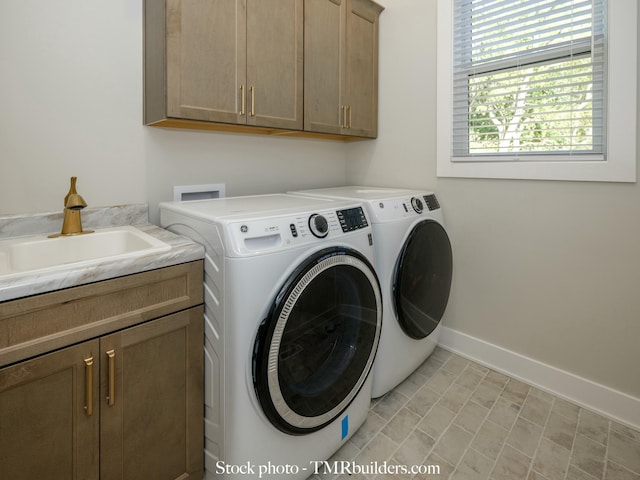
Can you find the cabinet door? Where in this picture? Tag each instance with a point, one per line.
(323, 59)
(152, 400)
(206, 59)
(49, 416)
(274, 63)
(361, 68)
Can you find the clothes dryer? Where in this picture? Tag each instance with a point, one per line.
(414, 263)
(292, 323)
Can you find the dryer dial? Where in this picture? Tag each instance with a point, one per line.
(318, 225)
(417, 204)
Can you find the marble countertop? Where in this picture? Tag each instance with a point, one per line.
(31, 283)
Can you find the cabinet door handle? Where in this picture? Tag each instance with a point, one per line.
(349, 115)
(243, 100)
(253, 101)
(111, 396)
(343, 116)
(88, 382)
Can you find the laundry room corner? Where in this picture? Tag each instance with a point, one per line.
(548, 269)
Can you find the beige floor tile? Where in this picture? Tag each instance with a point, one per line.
(423, 400)
(470, 378)
(618, 472)
(441, 381)
(551, 460)
(452, 444)
(455, 365)
(516, 431)
(379, 449)
(436, 421)
(588, 455)
(624, 451)
(400, 426)
(486, 394)
(438, 464)
(496, 378)
(372, 425)
(536, 409)
(473, 466)
(511, 465)
(574, 473)
(390, 404)
(414, 449)
(455, 397)
(560, 430)
(566, 409)
(471, 416)
(412, 384)
(525, 436)
(504, 413)
(516, 391)
(490, 439)
(626, 431)
(594, 426)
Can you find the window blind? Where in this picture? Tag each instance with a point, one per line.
(529, 79)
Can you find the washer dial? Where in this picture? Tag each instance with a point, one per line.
(417, 204)
(318, 225)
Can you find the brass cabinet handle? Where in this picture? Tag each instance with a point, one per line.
(111, 396)
(88, 381)
(253, 101)
(349, 113)
(242, 100)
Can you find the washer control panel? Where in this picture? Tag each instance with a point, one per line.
(318, 225)
(261, 235)
(352, 219)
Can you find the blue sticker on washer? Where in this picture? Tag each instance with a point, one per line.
(345, 427)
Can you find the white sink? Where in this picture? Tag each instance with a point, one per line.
(40, 253)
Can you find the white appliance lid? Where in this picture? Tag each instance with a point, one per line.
(361, 192)
(254, 206)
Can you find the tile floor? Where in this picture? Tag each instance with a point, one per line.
(474, 423)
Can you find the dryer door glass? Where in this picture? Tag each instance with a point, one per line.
(316, 347)
(423, 279)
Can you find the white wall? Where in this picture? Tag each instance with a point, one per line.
(71, 104)
(550, 270)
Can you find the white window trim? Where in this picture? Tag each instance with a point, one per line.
(620, 163)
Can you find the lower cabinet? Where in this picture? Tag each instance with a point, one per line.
(127, 405)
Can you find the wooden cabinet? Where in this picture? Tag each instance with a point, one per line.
(341, 67)
(237, 65)
(45, 431)
(124, 405)
(230, 61)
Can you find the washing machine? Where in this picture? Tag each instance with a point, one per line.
(293, 313)
(414, 263)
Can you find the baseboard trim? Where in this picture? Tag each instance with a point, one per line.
(606, 401)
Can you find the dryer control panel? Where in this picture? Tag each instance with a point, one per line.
(391, 209)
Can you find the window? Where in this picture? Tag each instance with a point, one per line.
(541, 89)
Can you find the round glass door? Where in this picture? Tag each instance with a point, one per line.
(423, 279)
(315, 349)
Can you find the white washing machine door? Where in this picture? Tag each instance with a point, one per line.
(315, 349)
(422, 279)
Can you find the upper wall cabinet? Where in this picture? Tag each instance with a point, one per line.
(341, 67)
(237, 65)
(231, 61)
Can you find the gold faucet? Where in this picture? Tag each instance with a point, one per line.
(73, 203)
